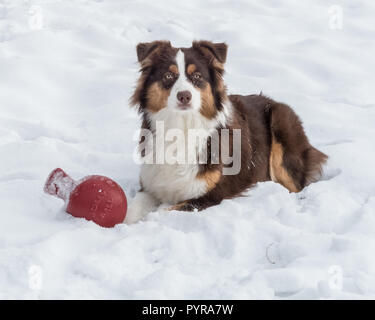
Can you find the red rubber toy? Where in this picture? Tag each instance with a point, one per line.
(95, 198)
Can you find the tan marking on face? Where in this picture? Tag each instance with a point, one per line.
(211, 178)
(277, 171)
(157, 97)
(208, 108)
(173, 68)
(191, 68)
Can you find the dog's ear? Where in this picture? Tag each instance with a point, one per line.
(145, 49)
(216, 55)
(217, 51)
(147, 52)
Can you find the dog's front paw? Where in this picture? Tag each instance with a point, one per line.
(134, 214)
(142, 204)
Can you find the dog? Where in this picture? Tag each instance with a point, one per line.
(183, 89)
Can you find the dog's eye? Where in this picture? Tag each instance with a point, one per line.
(168, 76)
(197, 76)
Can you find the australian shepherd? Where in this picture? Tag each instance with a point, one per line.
(182, 90)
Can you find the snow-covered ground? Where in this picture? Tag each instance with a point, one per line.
(67, 70)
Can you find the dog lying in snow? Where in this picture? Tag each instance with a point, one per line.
(181, 90)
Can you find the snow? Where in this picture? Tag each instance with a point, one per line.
(65, 81)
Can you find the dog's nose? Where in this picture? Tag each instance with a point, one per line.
(184, 96)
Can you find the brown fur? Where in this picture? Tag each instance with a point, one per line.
(156, 97)
(277, 171)
(208, 108)
(211, 178)
(301, 160)
(178, 206)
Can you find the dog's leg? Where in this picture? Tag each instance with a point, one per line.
(142, 204)
(294, 162)
(198, 204)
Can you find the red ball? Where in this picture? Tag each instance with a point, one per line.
(95, 198)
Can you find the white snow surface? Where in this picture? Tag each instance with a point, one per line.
(64, 91)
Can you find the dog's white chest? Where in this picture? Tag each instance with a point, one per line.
(172, 183)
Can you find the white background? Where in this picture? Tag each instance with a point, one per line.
(67, 70)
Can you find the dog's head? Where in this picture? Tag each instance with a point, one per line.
(181, 80)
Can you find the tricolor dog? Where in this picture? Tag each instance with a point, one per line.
(248, 139)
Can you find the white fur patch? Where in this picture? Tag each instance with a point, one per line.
(172, 183)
